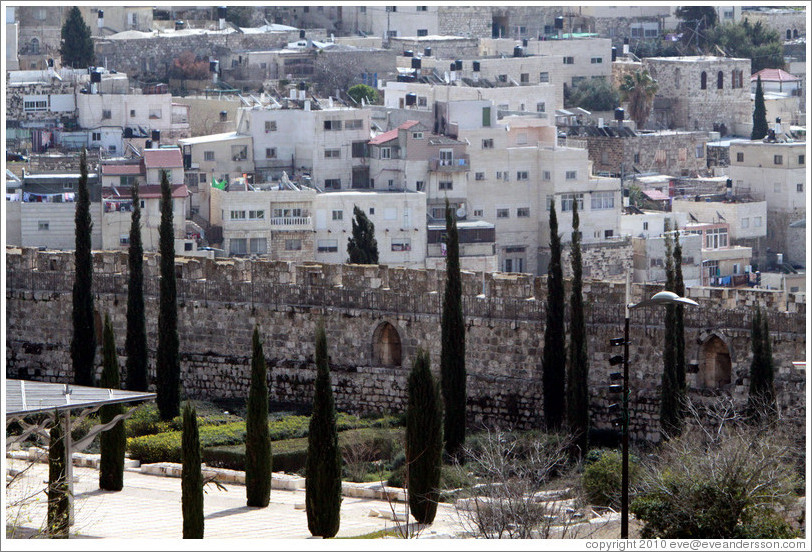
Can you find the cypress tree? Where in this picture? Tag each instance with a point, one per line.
(670, 402)
(168, 362)
(760, 128)
(58, 500)
(554, 359)
(761, 398)
(77, 45)
(452, 353)
(679, 320)
(136, 343)
(83, 344)
(362, 247)
(323, 466)
(578, 374)
(113, 442)
(424, 440)
(191, 476)
(257, 438)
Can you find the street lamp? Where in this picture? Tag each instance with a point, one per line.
(664, 298)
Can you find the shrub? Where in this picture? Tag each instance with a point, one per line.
(602, 475)
(165, 447)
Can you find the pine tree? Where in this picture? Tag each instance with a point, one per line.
(136, 343)
(554, 359)
(77, 46)
(452, 353)
(112, 442)
(362, 247)
(578, 374)
(191, 477)
(670, 395)
(760, 128)
(58, 499)
(83, 344)
(168, 361)
(323, 467)
(257, 438)
(424, 440)
(761, 405)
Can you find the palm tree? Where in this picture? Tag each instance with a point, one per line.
(638, 90)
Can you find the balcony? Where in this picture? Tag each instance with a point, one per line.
(291, 223)
(458, 164)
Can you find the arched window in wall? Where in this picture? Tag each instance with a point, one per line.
(703, 81)
(676, 78)
(789, 34)
(386, 349)
(35, 46)
(720, 80)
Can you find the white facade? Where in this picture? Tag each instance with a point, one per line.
(774, 172)
(747, 220)
(649, 259)
(389, 21)
(49, 225)
(651, 223)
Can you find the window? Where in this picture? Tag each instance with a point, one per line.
(422, 32)
(502, 213)
(736, 78)
(636, 157)
(545, 175)
(801, 159)
(568, 199)
(720, 80)
(258, 246)
(270, 126)
(256, 215)
(524, 78)
(293, 245)
(422, 8)
(700, 151)
(501, 78)
(270, 153)
(372, 210)
(479, 176)
(239, 153)
(740, 157)
(332, 125)
(645, 225)
(523, 212)
(354, 124)
(544, 76)
(703, 81)
(35, 105)
(596, 60)
(237, 246)
(338, 215)
(386, 153)
(208, 156)
(391, 34)
(550, 199)
(401, 244)
(95, 136)
(778, 159)
(328, 246)
(745, 222)
(757, 222)
(571, 175)
(569, 60)
(124, 239)
(43, 225)
(486, 116)
(608, 234)
(521, 175)
(332, 184)
(677, 76)
(154, 112)
(799, 187)
(332, 154)
(107, 114)
(478, 212)
(487, 143)
(391, 184)
(363, 9)
(201, 178)
(237, 215)
(417, 135)
(541, 107)
(446, 185)
(603, 200)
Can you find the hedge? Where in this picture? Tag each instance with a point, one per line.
(166, 447)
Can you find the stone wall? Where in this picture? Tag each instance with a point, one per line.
(666, 152)
(607, 261)
(470, 21)
(449, 48)
(219, 302)
(67, 163)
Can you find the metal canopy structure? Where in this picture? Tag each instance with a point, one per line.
(56, 401)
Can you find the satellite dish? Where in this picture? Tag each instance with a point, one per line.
(461, 212)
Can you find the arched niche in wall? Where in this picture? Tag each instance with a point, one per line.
(386, 347)
(715, 366)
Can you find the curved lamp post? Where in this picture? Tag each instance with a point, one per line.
(664, 298)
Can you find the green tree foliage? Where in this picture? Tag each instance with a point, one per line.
(112, 442)
(58, 498)
(424, 440)
(362, 247)
(241, 16)
(452, 353)
(761, 405)
(168, 361)
(365, 92)
(83, 344)
(323, 467)
(136, 342)
(639, 89)
(554, 359)
(191, 477)
(578, 372)
(594, 95)
(257, 438)
(760, 128)
(761, 45)
(679, 320)
(77, 46)
(694, 25)
(670, 390)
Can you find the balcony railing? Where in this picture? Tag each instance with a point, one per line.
(290, 223)
(450, 165)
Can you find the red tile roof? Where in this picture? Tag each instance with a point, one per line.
(121, 170)
(163, 158)
(392, 134)
(655, 195)
(150, 191)
(774, 75)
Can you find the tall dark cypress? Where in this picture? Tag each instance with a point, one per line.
(424, 440)
(452, 353)
(761, 405)
(323, 466)
(136, 344)
(362, 247)
(679, 320)
(58, 501)
(578, 374)
(112, 442)
(670, 392)
(257, 438)
(168, 361)
(554, 359)
(191, 483)
(83, 344)
(760, 128)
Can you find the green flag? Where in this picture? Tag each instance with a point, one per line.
(220, 185)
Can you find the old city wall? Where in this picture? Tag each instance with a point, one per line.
(220, 302)
(669, 153)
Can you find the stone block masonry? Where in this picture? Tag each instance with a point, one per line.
(219, 302)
